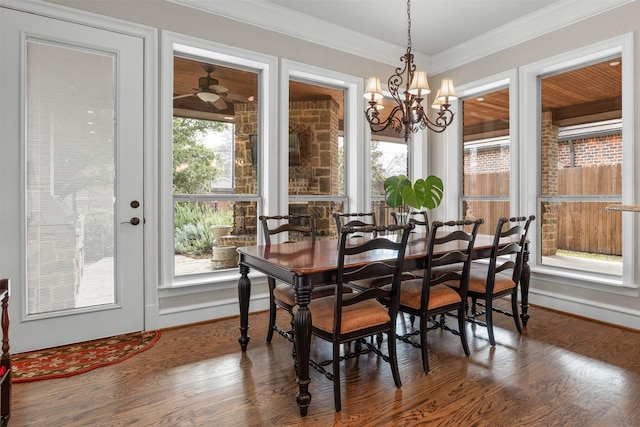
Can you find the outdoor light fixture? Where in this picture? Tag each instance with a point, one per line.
(408, 88)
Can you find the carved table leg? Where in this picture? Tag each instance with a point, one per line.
(302, 328)
(244, 292)
(524, 286)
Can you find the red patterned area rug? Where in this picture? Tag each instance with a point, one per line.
(74, 359)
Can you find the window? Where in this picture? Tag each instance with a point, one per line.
(388, 158)
(215, 163)
(486, 165)
(581, 167)
(318, 143)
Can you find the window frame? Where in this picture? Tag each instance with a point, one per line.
(530, 178)
(267, 67)
(354, 154)
(454, 150)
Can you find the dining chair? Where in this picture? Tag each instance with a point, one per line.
(440, 291)
(298, 227)
(417, 217)
(501, 276)
(354, 220)
(343, 318)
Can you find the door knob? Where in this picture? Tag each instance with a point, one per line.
(135, 220)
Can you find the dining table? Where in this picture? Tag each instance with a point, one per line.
(307, 264)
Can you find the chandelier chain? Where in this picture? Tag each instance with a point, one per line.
(408, 25)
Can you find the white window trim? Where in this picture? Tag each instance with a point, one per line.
(267, 66)
(356, 157)
(530, 168)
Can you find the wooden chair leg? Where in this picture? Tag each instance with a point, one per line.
(423, 343)
(393, 359)
(462, 326)
(488, 314)
(514, 309)
(336, 377)
(272, 309)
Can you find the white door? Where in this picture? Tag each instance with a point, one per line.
(71, 180)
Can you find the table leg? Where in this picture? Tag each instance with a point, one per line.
(302, 341)
(524, 286)
(244, 292)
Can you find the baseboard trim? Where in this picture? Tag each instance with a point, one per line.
(602, 312)
(210, 310)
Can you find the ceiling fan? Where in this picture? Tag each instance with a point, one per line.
(210, 91)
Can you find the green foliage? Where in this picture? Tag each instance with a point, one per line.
(194, 164)
(425, 193)
(192, 227)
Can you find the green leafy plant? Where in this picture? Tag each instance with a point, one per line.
(401, 193)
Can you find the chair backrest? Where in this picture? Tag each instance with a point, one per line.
(416, 217)
(299, 227)
(460, 244)
(343, 219)
(502, 257)
(348, 251)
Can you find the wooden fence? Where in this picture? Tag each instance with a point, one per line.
(582, 226)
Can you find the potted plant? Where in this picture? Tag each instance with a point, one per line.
(402, 194)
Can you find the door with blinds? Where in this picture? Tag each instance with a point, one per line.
(71, 180)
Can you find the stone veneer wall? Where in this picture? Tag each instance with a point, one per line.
(245, 218)
(316, 122)
(318, 125)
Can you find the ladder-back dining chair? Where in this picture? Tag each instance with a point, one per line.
(440, 291)
(343, 318)
(298, 227)
(501, 276)
(354, 220)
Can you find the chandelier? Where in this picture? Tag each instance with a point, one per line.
(408, 88)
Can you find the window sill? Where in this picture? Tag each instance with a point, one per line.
(597, 282)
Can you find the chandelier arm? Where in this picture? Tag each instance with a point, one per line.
(440, 124)
(392, 120)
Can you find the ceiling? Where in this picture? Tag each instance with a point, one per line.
(377, 18)
(437, 25)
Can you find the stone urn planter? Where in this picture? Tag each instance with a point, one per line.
(223, 256)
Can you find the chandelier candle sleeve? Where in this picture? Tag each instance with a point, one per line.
(408, 87)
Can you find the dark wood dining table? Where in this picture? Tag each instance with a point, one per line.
(307, 264)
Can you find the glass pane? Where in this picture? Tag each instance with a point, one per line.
(70, 178)
(581, 235)
(315, 150)
(206, 234)
(387, 159)
(493, 209)
(215, 129)
(322, 211)
(486, 158)
(581, 155)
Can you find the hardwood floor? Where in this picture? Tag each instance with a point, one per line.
(564, 372)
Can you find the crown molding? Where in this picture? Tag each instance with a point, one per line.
(301, 26)
(553, 17)
(295, 24)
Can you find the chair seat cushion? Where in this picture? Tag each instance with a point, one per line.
(439, 295)
(365, 314)
(478, 281)
(285, 293)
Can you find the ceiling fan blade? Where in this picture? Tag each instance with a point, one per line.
(236, 97)
(220, 104)
(183, 96)
(218, 88)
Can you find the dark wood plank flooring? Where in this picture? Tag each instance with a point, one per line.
(564, 371)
